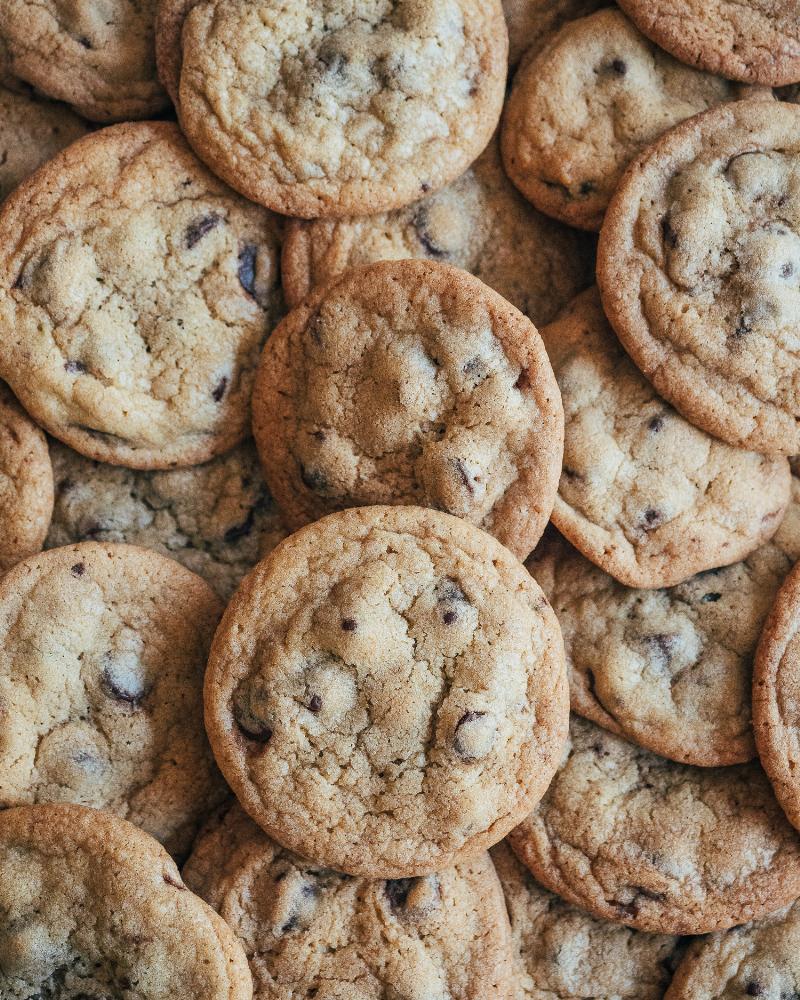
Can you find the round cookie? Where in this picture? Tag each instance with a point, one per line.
(92, 907)
(646, 496)
(216, 519)
(562, 953)
(479, 223)
(656, 845)
(532, 22)
(595, 96)
(757, 41)
(312, 932)
(102, 653)
(98, 57)
(698, 265)
(386, 692)
(411, 382)
(328, 108)
(26, 483)
(31, 132)
(136, 291)
(759, 959)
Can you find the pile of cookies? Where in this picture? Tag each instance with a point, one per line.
(331, 484)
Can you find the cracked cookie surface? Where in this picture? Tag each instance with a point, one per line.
(98, 56)
(479, 223)
(386, 692)
(698, 266)
(136, 291)
(757, 41)
(310, 932)
(656, 845)
(328, 108)
(101, 676)
(67, 877)
(216, 519)
(532, 22)
(596, 95)
(411, 382)
(645, 495)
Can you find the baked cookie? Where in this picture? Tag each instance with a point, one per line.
(656, 845)
(532, 22)
(386, 692)
(31, 132)
(753, 40)
(759, 959)
(411, 382)
(217, 519)
(102, 653)
(646, 496)
(328, 108)
(562, 953)
(312, 932)
(26, 483)
(97, 56)
(593, 98)
(479, 223)
(698, 265)
(92, 907)
(136, 291)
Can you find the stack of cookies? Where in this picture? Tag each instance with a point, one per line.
(331, 484)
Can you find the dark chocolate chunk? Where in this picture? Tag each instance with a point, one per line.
(201, 227)
(219, 389)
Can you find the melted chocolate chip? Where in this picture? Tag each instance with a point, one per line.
(619, 66)
(711, 598)
(421, 225)
(75, 367)
(314, 703)
(78, 569)
(313, 479)
(651, 519)
(246, 270)
(201, 227)
(219, 389)
(349, 625)
(242, 530)
(397, 891)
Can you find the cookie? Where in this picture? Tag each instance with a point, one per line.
(479, 223)
(756, 960)
(386, 693)
(313, 932)
(562, 953)
(31, 132)
(656, 845)
(411, 382)
(532, 22)
(92, 907)
(217, 519)
(753, 40)
(646, 496)
(330, 108)
(102, 653)
(583, 107)
(698, 266)
(26, 483)
(98, 57)
(136, 291)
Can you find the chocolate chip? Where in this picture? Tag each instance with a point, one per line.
(319, 436)
(655, 424)
(424, 187)
(651, 519)
(754, 988)
(314, 703)
(349, 625)
(571, 473)
(122, 685)
(254, 729)
(668, 234)
(313, 479)
(787, 270)
(219, 389)
(711, 598)
(397, 890)
(78, 569)
(449, 617)
(421, 224)
(619, 66)
(242, 530)
(473, 738)
(85, 42)
(743, 326)
(196, 230)
(587, 187)
(75, 367)
(246, 270)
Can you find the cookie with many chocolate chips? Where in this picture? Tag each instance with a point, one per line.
(386, 692)
(136, 291)
(646, 496)
(91, 907)
(656, 845)
(411, 382)
(698, 265)
(311, 932)
(532, 22)
(328, 108)
(102, 652)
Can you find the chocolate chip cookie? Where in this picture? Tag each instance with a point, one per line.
(582, 108)
(562, 953)
(386, 692)
(330, 108)
(136, 291)
(656, 845)
(102, 652)
(753, 40)
(92, 907)
(646, 496)
(311, 932)
(698, 266)
(411, 382)
(217, 519)
(98, 57)
(479, 223)
(532, 22)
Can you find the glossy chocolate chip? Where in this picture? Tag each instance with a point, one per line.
(201, 227)
(246, 270)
